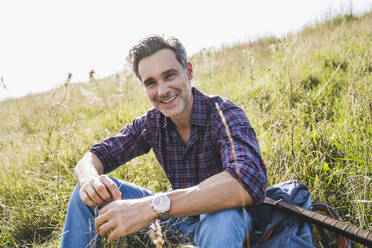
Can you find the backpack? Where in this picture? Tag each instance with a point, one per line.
(274, 227)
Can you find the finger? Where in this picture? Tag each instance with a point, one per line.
(85, 198)
(94, 196)
(105, 228)
(106, 208)
(112, 187)
(98, 221)
(101, 190)
(114, 235)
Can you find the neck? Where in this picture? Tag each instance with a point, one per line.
(183, 120)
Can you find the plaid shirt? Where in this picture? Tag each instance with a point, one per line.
(207, 152)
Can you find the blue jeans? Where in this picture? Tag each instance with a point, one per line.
(226, 228)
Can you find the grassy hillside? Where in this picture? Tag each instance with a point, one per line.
(308, 96)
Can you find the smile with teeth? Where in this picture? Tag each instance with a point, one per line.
(169, 100)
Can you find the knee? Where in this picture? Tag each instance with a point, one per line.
(228, 227)
(235, 218)
(131, 191)
(75, 199)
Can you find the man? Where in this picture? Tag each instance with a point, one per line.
(211, 178)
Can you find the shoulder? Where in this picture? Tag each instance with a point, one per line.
(233, 114)
(209, 102)
(149, 120)
(151, 115)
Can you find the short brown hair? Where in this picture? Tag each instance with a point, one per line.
(153, 44)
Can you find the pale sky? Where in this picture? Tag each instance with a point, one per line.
(43, 40)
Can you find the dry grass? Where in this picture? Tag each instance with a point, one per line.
(308, 96)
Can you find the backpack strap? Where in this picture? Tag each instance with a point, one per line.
(342, 241)
(267, 236)
(337, 226)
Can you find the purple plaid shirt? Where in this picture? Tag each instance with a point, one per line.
(207, 152)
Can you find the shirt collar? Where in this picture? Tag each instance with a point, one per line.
(199, 110)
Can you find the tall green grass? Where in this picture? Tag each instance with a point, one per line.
(308, 96)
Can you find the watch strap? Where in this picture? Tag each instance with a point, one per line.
(163, 216)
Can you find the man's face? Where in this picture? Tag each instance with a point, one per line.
(166, 82)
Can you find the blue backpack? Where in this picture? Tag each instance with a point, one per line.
(274, 227)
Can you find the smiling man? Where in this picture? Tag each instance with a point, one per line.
(210, 182)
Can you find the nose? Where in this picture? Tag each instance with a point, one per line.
(163, 89)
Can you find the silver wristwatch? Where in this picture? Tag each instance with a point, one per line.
(161, 205)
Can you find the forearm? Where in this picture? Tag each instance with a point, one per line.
(89, 166)
(219, 192)
(124, 217)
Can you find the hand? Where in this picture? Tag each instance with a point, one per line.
(124, 217)
(99, 191)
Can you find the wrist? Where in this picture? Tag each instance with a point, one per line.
(154, 215)
(161, 206)
(147, 207)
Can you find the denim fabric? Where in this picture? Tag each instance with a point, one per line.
(225, 228)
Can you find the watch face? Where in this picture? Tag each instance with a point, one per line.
(161, 203)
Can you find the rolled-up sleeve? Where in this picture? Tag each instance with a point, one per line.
(130, 142)
(247, 165)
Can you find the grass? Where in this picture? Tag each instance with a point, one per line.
(308, 96)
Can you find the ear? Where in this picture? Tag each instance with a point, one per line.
(189, 70)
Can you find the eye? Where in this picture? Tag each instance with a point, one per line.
(169, 76)
(149, 83)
